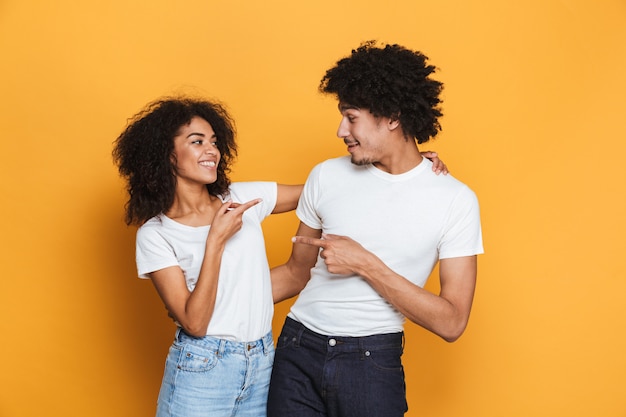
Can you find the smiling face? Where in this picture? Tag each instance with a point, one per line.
(364, 134)
(196, 155)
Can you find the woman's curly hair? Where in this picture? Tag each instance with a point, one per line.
(390, 81)
(143, 153)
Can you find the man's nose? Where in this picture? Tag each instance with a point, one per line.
(342, 130)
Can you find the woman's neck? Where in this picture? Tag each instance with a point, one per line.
(194, 207)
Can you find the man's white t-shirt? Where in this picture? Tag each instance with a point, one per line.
(244, 305)
(409, 221)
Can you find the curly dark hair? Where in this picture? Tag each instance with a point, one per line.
(143, 153)
(390, 81)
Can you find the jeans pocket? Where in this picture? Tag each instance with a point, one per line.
(386, 359)
(196, 359)
(286, 340)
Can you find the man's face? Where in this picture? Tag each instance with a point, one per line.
(363, 133)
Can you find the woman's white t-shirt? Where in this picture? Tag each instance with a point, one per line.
(244, 305)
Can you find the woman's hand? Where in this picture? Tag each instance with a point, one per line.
(438, 165)
(228, 219)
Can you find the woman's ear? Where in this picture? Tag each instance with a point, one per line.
(174, 162)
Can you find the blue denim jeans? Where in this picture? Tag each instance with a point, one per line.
(214, 377)
(317, 375)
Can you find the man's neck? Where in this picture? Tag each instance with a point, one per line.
(403, 159)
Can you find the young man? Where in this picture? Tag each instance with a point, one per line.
(373, 226)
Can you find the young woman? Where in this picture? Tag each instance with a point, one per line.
(201, 244)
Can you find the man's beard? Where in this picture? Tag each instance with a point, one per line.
(361, 162)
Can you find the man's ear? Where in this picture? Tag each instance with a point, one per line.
(394, 122)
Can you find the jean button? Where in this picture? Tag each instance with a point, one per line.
(332, 342)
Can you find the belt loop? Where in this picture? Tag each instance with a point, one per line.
(177, 335)
(362, 348)
(265, 341)
(221, 348)
(299, 335)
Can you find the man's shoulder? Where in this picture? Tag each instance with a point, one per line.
(447, 187)
(340, 161)
(338, 164)
(449, 180)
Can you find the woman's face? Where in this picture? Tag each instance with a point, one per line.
(196, 155)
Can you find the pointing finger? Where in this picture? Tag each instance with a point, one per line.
(241, 207)
(309, 241)
(250, 203)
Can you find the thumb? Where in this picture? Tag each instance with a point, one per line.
(329, 236)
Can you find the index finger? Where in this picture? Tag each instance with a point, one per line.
(311, 241)
(241, 207)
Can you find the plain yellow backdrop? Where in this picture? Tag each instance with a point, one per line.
(534, 123)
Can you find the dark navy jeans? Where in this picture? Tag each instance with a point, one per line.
(334, 376)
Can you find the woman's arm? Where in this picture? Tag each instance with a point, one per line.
(290, 278)
(287, 198)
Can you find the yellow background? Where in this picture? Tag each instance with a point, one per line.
(534, 123)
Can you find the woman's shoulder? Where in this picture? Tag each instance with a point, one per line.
(151, 226)
(252, 189)
(267, 191)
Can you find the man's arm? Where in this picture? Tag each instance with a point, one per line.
(290, 278)
(445, 314)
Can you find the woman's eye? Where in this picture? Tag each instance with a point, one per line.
(197, 142)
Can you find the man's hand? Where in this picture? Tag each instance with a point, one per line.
(341, 254)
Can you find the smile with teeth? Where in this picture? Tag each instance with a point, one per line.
(210, 164)
(352, 145)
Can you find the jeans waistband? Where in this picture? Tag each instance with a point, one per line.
(221, 346)
(344, 343)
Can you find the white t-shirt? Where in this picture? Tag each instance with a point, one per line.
(244, 305)
(409, 221)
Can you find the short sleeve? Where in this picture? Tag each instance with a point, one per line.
(152, 251)
(306, 210)
(242, 192)
(462, 235)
